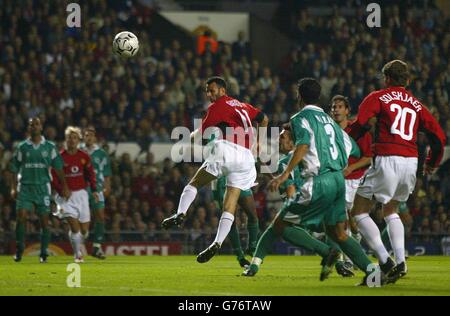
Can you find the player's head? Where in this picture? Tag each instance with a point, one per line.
(340, 108)
(286, 141)
(216, 87)
(73, 137)
(309, 91)
(90, 136)
(34, 126)
(396, 73)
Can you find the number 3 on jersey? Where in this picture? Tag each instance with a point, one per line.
(333, 148)
(399, 125)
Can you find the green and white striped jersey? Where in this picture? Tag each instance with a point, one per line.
(32, 162)
(329, 145)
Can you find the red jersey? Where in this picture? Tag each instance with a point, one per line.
(78, 171)
(234, 119)
(400, 116)
(365, 145)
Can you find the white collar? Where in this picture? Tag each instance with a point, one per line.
(312, 107)
(29, 142)
(91, 150)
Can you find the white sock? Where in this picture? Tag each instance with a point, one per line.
(76, 243)
(256, 261)
(369, 230)
(85, 236)
(226, 220)
(186, 199)
(396, 232)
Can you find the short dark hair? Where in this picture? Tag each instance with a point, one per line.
(218, 81)
(339, 97)
(397, 71)
(309, 90)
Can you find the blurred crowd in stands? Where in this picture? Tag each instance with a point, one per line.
(69, 76)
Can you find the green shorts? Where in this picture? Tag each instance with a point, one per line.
(321, 201)
(95, 206)
(219, 189)
(32, 196)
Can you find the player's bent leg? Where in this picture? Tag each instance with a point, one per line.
(99, 234)
(247, 203)
(226, 220)
(396, 233)
(349, 246)
(75, 238)
(235, 240)
(20, 234)
(45, 237)
(265, 244)
(200, 179)
(367, 227)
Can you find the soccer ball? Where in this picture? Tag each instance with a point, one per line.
(125, 44)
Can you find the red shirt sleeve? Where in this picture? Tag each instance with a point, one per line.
(252, 111)
(369, 107)
(90, 172)
(436, 137)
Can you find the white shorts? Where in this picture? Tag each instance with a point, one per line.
(351, 186)
(233, 161)
(389, 178)
(76, 207)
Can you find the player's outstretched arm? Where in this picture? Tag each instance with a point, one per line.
(299, 153)
(62, 179)
(436, 138)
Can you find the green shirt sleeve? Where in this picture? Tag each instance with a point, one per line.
(355, 151)
(14, 165)
(300, 133)
(107, 172)
(57, 161)
(282, 165)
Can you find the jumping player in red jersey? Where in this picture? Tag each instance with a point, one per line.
(78, 172)
(340, 111)
(394, 117)
(229, 156)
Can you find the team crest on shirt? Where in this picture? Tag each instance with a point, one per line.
(83, 162)
(44, 154)
(97, 160)
(74, 169)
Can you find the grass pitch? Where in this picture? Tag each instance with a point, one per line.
(183, 276)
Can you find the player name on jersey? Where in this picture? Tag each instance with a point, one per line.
(400, 96)
(324, 119)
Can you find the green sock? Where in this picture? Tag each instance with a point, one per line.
(236, 242)
(330, 242)
(265, 243)
(301, 238)
(99, 232)
(45, 240)
(20, 236)
(356, 253)
(385, 237)
(253, 231)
